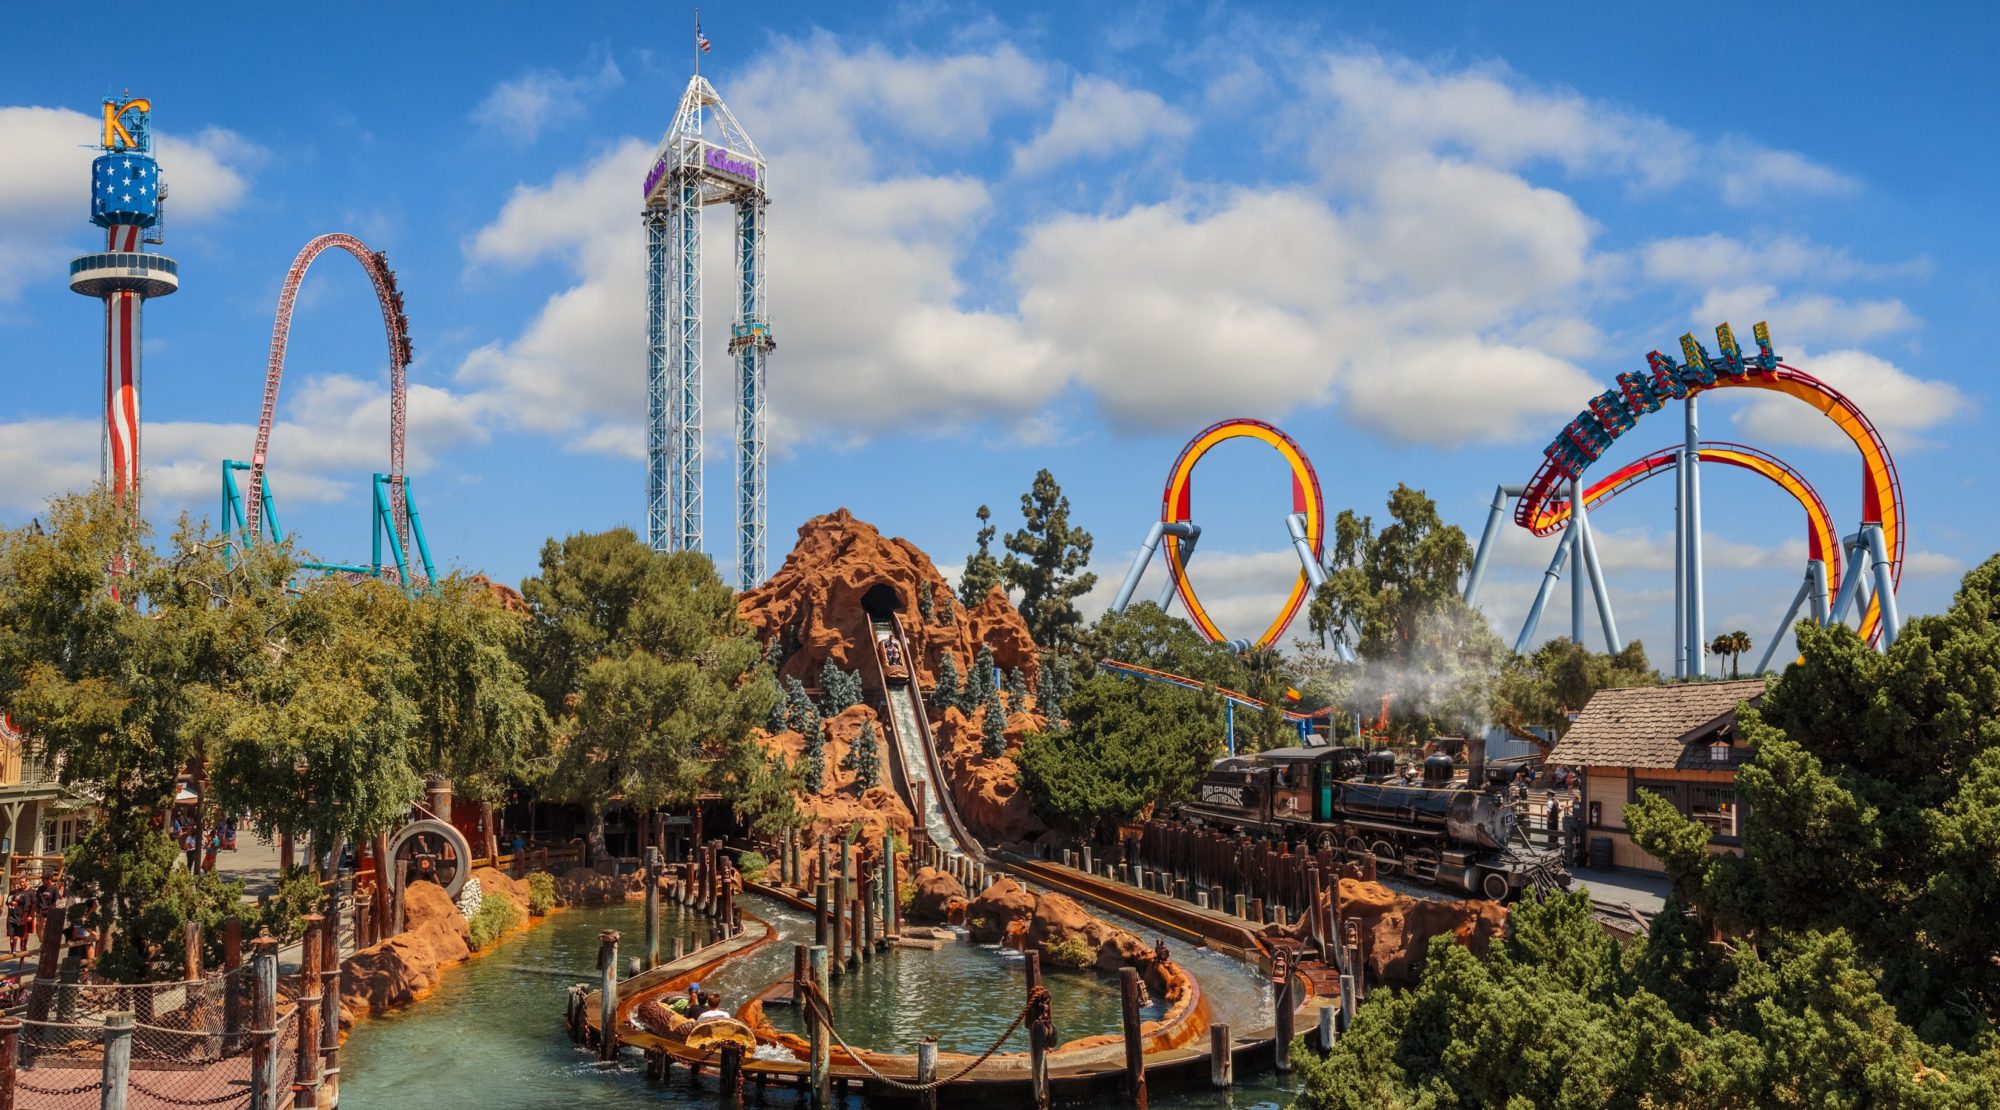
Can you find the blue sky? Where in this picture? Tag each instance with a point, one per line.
(1416, 237)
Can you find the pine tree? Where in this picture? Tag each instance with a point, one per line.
(801, 714)
(774, 649)
(980, 684)
(949, 694)
(838, 689)
(1017, 689)
(926, 606)
(982, 570)
(1054, 685)
(865, 758)
(995, 727)
(814, 757)
(1045, 562)
(781, 711)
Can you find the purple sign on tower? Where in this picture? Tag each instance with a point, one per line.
(719, 159)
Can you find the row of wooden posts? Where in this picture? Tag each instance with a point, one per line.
(1257, 880)
(250, 1021)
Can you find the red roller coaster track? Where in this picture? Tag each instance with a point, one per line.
(394, 321)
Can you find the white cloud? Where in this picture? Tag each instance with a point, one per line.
(44, 193)
(1100, 117)
(523, 107)
(1713, 259)
(1753, 173)
(1901, 405)
(1490, 114)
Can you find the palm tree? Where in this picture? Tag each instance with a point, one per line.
(1734, 645)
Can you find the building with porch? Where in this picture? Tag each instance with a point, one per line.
(1678, 741)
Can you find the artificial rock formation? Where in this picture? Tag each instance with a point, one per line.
(815, 604)
(406, 967)
(987, 789)
(936, 897)
(1396, 928)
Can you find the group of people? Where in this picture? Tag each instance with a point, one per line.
(26, 904)
(221, 838)
(699, 1004)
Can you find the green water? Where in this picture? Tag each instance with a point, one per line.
(491, 1037)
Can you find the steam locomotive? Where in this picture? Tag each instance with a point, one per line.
(1437, 831)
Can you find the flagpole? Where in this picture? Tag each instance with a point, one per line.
(697, 42)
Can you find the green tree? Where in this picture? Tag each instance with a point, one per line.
(1124, 745)
(1417, 638)
(1542, 689)
(1055, 683)
(650, 675)
(993, 728)
(838, 688)
(1016, 685)
(981, 682)
(1732, 644)
(1045, 562)
(812, 761)
(982, 570)
(864, 758)
(123, 692)
(769, 801)
(1148, 636)
(949, 693)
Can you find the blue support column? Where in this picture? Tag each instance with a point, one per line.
(1549, 579)
(1885, 583)
(1182, 553)
(1487, 538)
(659, 497)
(751, 341)
(1577, 582)
(1791, 614)
(1680, 569)
(1592, 566)
(1697, 645)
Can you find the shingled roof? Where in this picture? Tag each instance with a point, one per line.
(1652, 726)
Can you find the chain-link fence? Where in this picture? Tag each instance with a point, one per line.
(199, 1043)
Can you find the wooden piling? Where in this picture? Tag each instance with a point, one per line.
(10, 1054)
(1221, 1057)
(1135, 1049)
(329, 1011)
(652, 907)
(819, 911)
(1281, 990)
(869, 896)
(730, 1077)
(1038, 1046)
(1348, 1002)
(838, 927)
(1327, 1014)
(118, 1060)
(234, 996)
(305, 1075)
(264, 1023)
(821, 1040)
(607, 1010)
(927, 1071)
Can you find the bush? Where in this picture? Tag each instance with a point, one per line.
(753, 865)
(541, 893)
(1069, 953)
(496, 915)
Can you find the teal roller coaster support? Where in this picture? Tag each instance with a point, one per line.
(236, 529)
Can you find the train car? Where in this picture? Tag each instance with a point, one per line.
(1438, 831)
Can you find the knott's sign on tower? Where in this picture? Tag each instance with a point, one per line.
(1614, 410)
(719, 159)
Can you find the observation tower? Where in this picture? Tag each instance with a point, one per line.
(690, 172)
(126, 199)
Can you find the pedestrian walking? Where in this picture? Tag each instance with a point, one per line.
(191, 845)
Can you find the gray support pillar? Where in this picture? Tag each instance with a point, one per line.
(1885, 583)
(1691, 464)
(1501, 494)
(1137, 570)
(1816, 579)
(1184, 556)
(1784, 626)
(1680, 569)
(1549, 579)
(1613, 643)
(1577, 579)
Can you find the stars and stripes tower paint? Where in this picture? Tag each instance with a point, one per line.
(125, 200)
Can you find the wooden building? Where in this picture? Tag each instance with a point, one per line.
(1679, 741)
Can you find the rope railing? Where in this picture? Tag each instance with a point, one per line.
(1038, 999)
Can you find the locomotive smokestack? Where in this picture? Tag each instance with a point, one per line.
(1475, 761)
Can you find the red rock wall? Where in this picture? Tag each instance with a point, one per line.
(815, 600)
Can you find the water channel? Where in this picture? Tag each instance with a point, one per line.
(491, 1036)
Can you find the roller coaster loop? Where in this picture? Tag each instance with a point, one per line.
(1176, 506)
(395, 323)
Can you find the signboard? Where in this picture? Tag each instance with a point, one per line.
(1216, 794)
(720, 160)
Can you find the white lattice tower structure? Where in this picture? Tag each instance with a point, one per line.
(706, 158)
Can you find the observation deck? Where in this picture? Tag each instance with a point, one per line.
(151, 275)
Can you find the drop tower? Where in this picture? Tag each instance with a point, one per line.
(126, 196)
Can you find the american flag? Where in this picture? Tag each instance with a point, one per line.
(701, 40)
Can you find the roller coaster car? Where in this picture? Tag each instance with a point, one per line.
(1463, 836)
